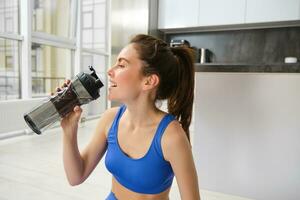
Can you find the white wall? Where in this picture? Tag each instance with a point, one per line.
(12, 114)
(247, 133)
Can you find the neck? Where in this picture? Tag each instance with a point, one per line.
(139, 114)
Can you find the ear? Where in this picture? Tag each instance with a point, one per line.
(150, 82)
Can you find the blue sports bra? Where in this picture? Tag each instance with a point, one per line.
(150, 174)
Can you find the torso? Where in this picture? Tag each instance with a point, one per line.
(123, 193)
(135, 144)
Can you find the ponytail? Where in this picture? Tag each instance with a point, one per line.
(175, 68)
(180, 103)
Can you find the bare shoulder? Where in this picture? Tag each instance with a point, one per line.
(174, 134)
(174, 139)
(110, 112)
(107, 118)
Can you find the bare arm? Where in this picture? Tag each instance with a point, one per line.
(78, 166)
(177, 150)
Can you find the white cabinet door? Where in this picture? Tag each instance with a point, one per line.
(177, 14)
(220, 12)
(272, 10)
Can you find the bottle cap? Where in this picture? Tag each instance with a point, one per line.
(91, 82)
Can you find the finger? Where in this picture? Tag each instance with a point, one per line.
(67, 82)
(57, 89)
(77, 109)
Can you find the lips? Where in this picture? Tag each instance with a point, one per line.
(112, 84)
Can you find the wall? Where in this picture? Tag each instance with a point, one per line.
(128, 19)
(246, 139)
(11, 115)
(12, 111)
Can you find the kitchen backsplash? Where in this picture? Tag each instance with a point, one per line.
(256, 46)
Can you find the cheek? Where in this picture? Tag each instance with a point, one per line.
(128, 80)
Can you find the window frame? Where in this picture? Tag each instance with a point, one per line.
(26, 37)
(18, 38)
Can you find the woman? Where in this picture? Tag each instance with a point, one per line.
(145, 146)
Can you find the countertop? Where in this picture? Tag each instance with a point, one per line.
(248, 67)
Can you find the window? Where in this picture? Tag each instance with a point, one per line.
(53, 44)
(9, 69)
(51, 68)
(9, 15)
(94, 43)
(9, 50)
(97, 61)
(99, 64)
(52, 17)
(94, 24)
(52, 37)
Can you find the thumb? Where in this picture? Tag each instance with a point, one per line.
(77, 110)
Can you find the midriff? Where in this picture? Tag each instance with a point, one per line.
(122, 193)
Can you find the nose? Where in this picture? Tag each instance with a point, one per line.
(110, 71)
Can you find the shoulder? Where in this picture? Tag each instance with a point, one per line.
(110, 112)
(173, 140)
(107, 118)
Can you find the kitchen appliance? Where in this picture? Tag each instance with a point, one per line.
(185, 43)
(204, 55)
(176, 43)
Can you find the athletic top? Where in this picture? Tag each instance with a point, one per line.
(151, 174)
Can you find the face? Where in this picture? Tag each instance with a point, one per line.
(125, 75)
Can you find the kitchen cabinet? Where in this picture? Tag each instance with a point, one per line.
(270, 10)
(200, 13)
(177, 14)
(216, 12)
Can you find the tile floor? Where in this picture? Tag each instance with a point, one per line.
(31, 168)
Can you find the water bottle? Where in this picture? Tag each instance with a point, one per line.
(84, 88)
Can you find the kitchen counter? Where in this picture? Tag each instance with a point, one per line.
(245, 67)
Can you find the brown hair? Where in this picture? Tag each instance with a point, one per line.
(175, 68)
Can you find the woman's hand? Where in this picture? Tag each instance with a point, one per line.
(69, 123)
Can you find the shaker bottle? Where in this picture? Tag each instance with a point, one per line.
(83, 89)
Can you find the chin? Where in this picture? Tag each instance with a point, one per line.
(112, 98)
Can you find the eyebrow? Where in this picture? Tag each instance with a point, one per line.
(120, 59)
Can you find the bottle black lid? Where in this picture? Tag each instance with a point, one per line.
(91, 82)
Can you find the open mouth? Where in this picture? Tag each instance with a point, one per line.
(113, 85)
